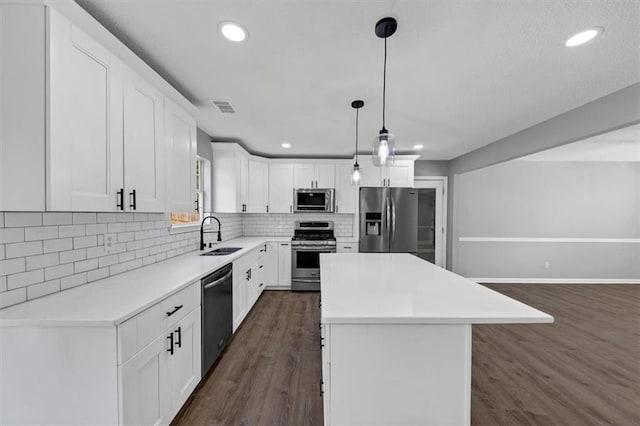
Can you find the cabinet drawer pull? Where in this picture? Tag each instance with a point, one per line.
(132, 204)
(120, 201)
(176, 309)
(261, 266)
(170, 350)
(261, 284)
(179, 341)
(348, 247)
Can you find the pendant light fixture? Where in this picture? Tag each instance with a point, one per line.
(355, 173)
(384, 144)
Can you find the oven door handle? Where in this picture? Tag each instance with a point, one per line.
(305, 280)
(328, 249)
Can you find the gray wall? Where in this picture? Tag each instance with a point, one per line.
(614, 111)
(529, 199)
(431, 168)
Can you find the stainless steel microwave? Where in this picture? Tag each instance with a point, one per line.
(313, 200)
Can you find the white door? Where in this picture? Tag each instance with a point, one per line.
(284, 265)
(280, 188)
(304, 175)
(325, 176)
(180, 133)
(186, 358)
(244, 181)
(432, 216)
(146, 386)
(258, 187)
(345, 191)
(239, 294)
(370, 175)
(84, 153)
(144, 145)
(399, 174)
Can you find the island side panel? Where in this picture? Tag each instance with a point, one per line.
(399, 374)
(58, 375)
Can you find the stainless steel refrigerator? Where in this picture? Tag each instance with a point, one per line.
(388, 220)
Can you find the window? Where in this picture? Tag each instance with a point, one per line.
(202, 196)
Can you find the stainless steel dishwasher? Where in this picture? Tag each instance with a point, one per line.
(217, 314)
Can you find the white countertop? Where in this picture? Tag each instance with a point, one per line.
(401, 288)
(113, 300)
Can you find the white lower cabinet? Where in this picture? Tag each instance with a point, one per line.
(284, 265)
(250, 273)
(347, 247)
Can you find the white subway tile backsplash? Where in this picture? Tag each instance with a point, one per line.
(11, 235)
(43, 289)
(83, 218)
(43, 253)
(71, 231)
(25, 278)
(82, 242)
(73, 256)
(54, 272)
(58, 245)
(13, 297)
(35, 233)
(56, 219)
(42, 261)
(23, 249)
(73, 281)
(13, 220)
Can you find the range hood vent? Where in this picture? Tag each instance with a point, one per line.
(223, 106)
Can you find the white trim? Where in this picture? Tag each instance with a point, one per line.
(557, 280)
(548, 240)
(438, 182)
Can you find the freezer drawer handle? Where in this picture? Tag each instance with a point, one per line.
(177, 308)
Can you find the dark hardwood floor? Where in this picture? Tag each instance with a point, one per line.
(582, 370)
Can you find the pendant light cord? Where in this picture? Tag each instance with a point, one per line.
(357, 112)
(384, 85)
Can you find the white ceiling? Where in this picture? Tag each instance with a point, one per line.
(461, 74)
(619, 145)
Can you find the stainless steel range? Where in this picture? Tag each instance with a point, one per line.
(310, 239)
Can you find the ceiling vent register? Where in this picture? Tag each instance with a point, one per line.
(223, 106)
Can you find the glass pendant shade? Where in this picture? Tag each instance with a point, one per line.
(384, 148)
(355, 174)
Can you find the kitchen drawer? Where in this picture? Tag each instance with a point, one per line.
(351, 247)
(139, 331)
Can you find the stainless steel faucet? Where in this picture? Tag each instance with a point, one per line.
(202, 231)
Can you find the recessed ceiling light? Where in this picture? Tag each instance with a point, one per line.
(233, 31)
(418, 146)
(286, 145)
(584, 36)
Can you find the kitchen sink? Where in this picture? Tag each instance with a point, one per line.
(223, 251)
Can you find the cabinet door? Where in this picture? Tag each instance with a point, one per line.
(146, 386)
(243, 161)
(400, 174)
(284, 265)
(280, 188)
(180, 133)
(84, 153)
(144, 145)
(304, 175)
(186, 358)
(345, 191)
(239, 294)
(271, 265)
(371, 175)
(258, 186)
(325, 176)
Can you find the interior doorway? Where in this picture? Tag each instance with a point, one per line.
(432, 219)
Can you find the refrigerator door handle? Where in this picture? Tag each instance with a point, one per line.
(387, 218)
(393, 218)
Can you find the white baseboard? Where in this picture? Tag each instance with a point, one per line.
(557, 280)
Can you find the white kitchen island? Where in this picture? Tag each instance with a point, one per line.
(396, 334)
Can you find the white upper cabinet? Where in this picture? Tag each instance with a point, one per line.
(345, 191)
(280, 188)
(230, 168)
(258, 186)
(144, 145)
(180, 134)
(22, 108)
(309, 175)
(396, 174)
(84, 155)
